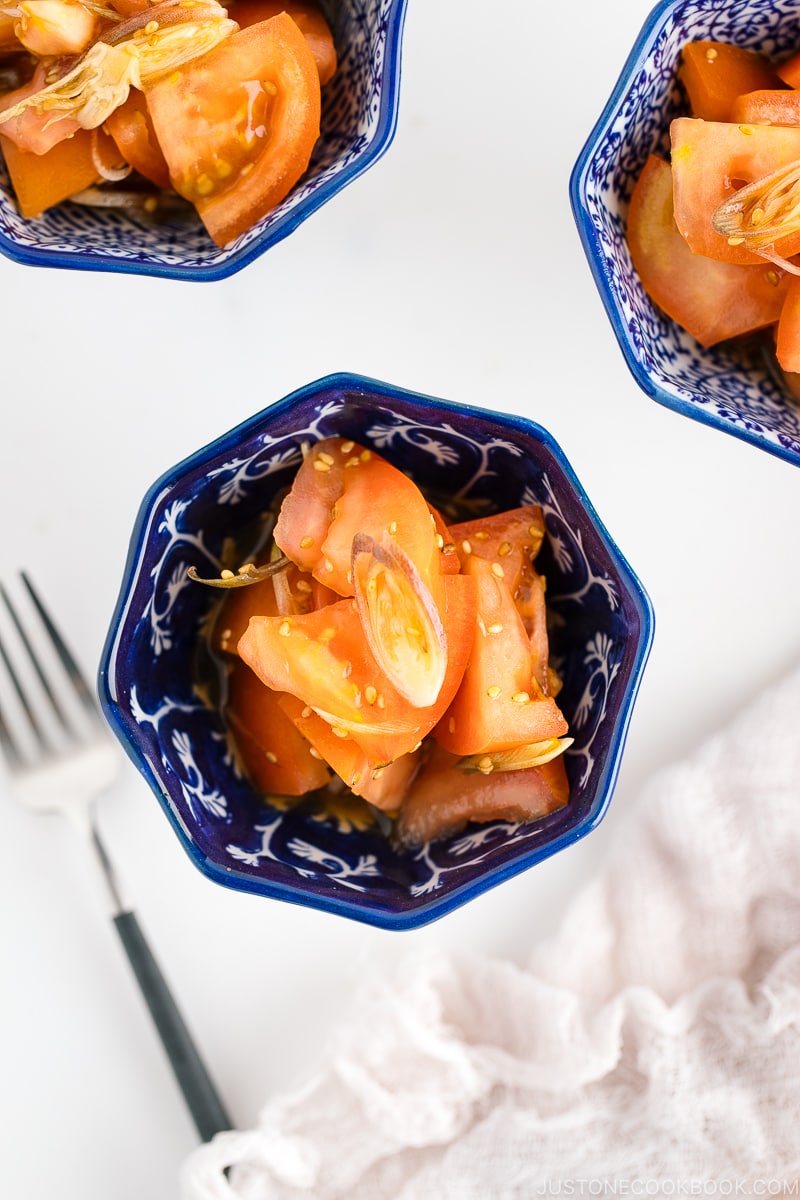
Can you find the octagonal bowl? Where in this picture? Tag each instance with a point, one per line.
(332, 860)
(735, 389)
(358, 122)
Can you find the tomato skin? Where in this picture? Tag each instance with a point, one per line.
(715, 73)
(443, 799)
(309, 19)
(498, 705)
(711, 300)
(132, 129)
(237, 126)
(708, 157)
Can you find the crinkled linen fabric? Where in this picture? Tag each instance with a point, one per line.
(650, 1047)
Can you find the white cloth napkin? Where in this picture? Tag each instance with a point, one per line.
(651, 1048)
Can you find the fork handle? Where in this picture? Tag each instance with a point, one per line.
(198, 1089)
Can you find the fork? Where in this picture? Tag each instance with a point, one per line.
(60, 758)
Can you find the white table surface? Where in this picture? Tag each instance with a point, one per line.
(453, 267)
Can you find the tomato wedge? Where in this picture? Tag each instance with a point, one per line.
(711, 300)
(383, 785)
(274, 753)
(715, 73)
(767, 107)
(309, 19)
(342, 490)
(132, 130)
(324, 660)
(42, 180)
(499, 704)
(237, 125)
(443, 798)
(512, 538)
(787, 347)
(711, 160)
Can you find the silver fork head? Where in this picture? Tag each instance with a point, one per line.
(56, 746)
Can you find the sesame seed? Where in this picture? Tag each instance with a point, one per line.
(520, 697)
(314, 752)
(376, 774)
(328, 634)
(393, 527)
(735, 241)
(303, 585)
(498, 571)
(306, 541)
(321, 465)
(269, 87)
(439, 540)
(338, 731)
(352, 462)
(481, 624)
(451, 725)
(356, 779)
(306, 713)
(346, 447)
(226, 574)
(370, 693)
(323, 456)
(285, 629)
(365, 455)
(328, 565)
(347, 670)
(504, 548)
(380, 702)
(270, 757)
(466, 546)
(493, 692)
(496, 628)
(485, 765)
(481, 536)
(247, 568)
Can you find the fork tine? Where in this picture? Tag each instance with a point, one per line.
(76, 678)
(15, 680)
(8, 745)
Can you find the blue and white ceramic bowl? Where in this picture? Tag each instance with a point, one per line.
(337, 861)
(738, 395)
(359, 118)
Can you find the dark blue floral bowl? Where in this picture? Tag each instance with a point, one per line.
(359, 118)
(337, 860)
(737, 392)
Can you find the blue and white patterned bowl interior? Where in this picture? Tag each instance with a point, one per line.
(338, 859)
(736, 392)
(359, 113)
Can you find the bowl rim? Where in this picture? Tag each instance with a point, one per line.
(219, 268)
(422, 910)
(649, 383)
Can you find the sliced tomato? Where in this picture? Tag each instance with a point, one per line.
(787, 348)
(499, 704)
(42, 180)
(341, 490)
(444, 798)
(274, 753)
(789, 70)
(237, 125)
(711, 160)
(767, 107)
(309, 19)
(511, 538)
(324, 660)
(236, 609)
(711, 300)
(383, 785)
(715, 73)
(132, 130)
